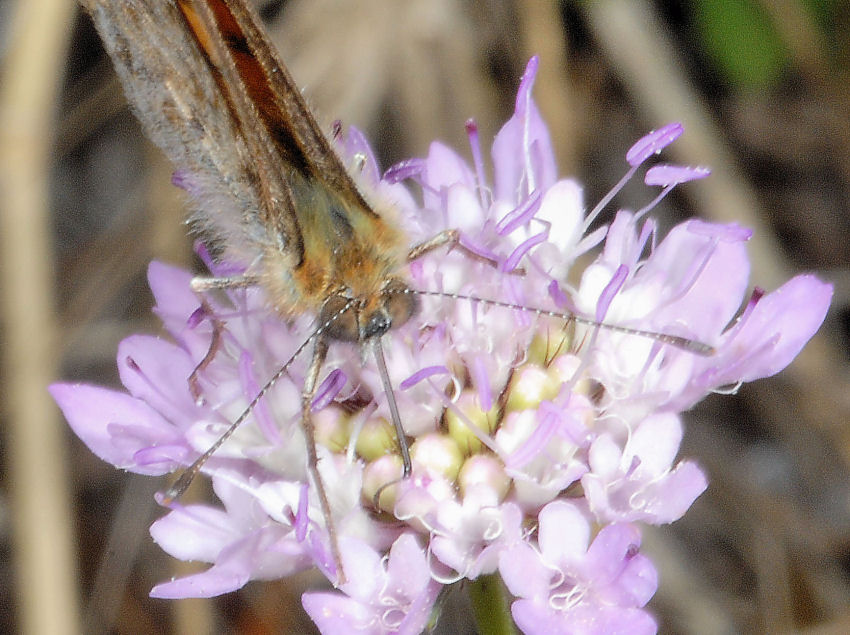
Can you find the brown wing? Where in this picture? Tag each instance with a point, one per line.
(181, 102)
(269, 87)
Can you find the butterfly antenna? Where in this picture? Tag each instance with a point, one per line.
(682, 343)
(188, 475)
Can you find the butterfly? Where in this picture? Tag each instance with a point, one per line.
(213, 94)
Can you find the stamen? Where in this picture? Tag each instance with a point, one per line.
(329, 389)
(264, 419)
(665, 174)
(653, 143)
(512, 261)
(611, 290)
(607, 199)
(646, 208)
(478, 162)
(422, 374)
(520, 215)
(645, 147)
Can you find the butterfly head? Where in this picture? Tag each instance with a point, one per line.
(358, 319)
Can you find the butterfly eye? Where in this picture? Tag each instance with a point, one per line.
(339, 318)
(400, 304)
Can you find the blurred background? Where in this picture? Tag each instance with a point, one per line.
(86, 203)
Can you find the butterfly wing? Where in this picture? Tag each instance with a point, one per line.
(185, 109)
(271, 90)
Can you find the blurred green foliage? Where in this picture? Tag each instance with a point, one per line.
(740, 38)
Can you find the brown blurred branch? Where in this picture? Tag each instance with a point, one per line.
(45, 559)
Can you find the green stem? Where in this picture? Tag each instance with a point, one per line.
(491, 606)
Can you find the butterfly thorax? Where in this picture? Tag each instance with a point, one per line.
(350, 259)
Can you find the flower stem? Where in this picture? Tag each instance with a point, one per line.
(491, 606)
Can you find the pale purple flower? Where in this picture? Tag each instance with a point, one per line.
(574, 584)
(535, 446)
(383, 595)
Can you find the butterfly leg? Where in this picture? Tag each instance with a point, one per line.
(200, 285)
(451, 239)
(209, 283)
(309, 392)
(215, 346)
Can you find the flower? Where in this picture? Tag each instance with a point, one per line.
(570, 586)
(537, 439)
(391, 597)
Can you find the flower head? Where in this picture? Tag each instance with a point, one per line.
(536, 441)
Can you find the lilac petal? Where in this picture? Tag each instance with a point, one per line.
(173, 295)
(177, 306)
(409, 577)
(334, 613)
(615, 620)
(656, 441)
(467, 214)
(195, 532)
(250, 388)
(729, 233)
(523, 573)
(419, 611)
(653, 143)
(404, 170)
(604, 558)
(155, 458)
(357, 144)
(791, 315)
(210, 583)
(562, 208)
(302, 518)
(640, 578)
(667, 499)
(534, 617)
(364, 569)
(445, 169)
(422, 374)
(665, 175)
(255, 552)
(605, 456)
(564, 533)
(157, 372)
(92, 413)
(709, 291)
(523, 159)
(526, 84)
(407, 568)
